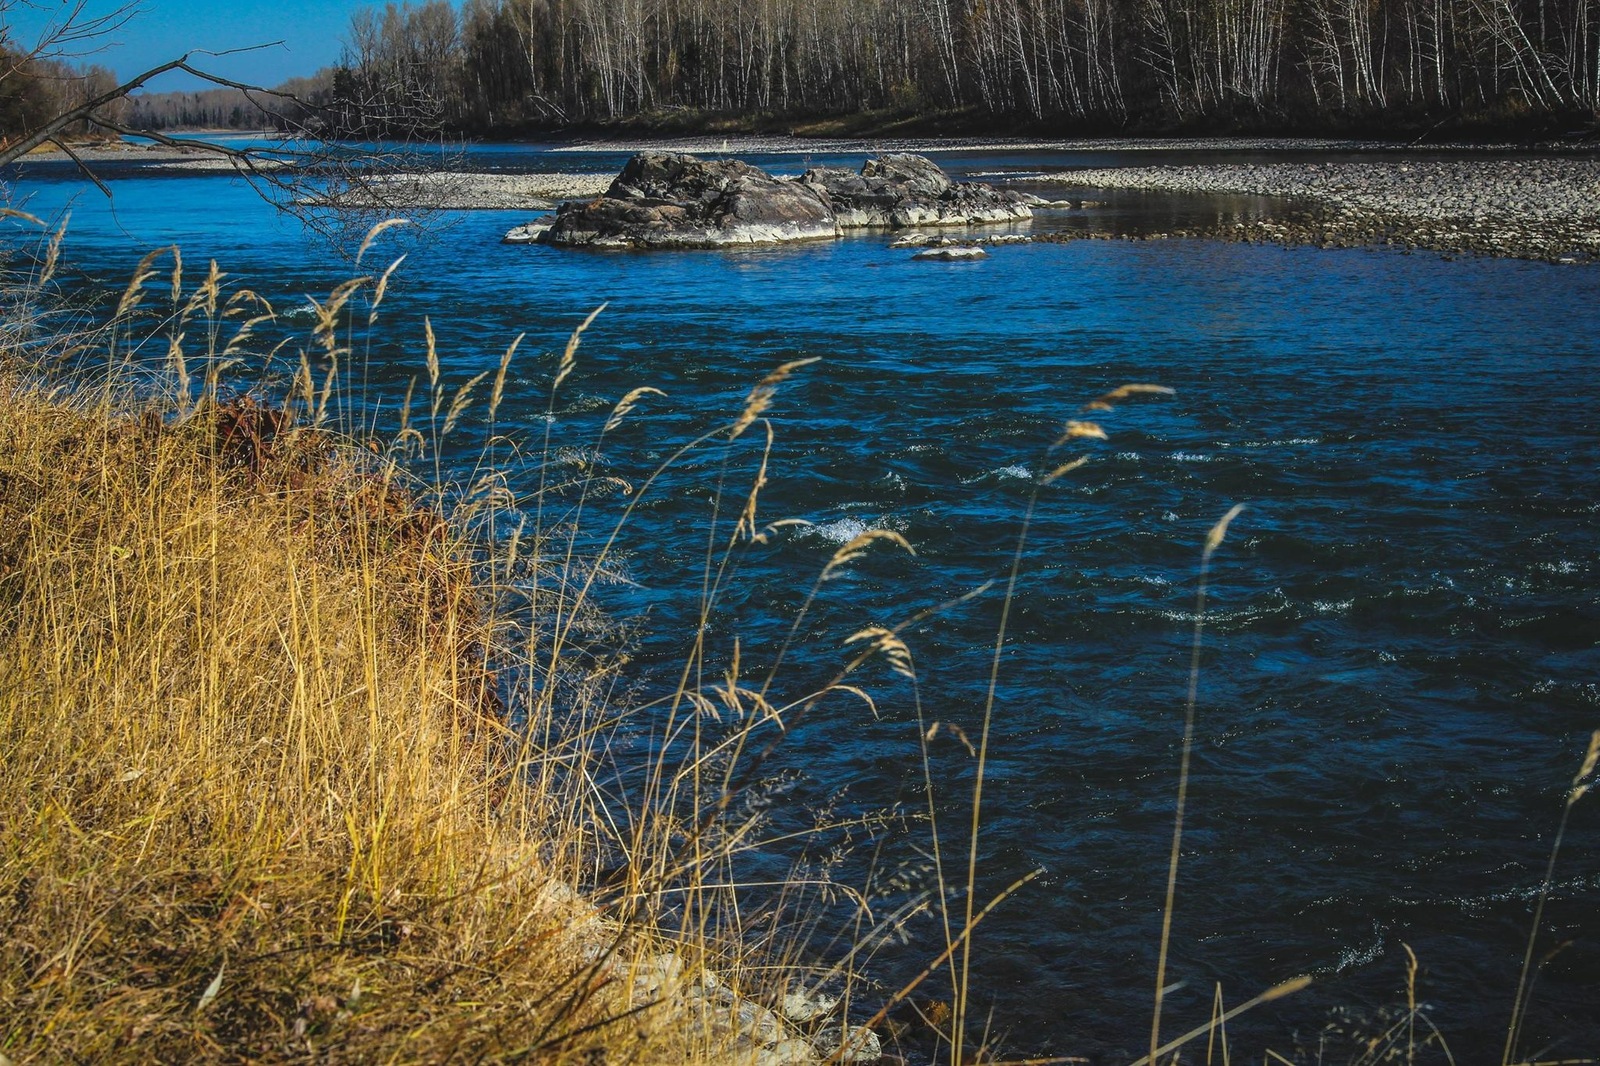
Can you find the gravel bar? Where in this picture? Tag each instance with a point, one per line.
(1547, 208)
(456, 191)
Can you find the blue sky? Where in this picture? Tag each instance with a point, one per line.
(312, 32)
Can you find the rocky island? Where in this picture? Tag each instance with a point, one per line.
(662, 200)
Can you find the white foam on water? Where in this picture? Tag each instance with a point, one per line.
(1361, 956)
(844, 530)
(1016, 471)
(1287, 442)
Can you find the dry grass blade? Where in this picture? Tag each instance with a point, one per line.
(767, 531)
(1220, 530)
(888, 643)
(206, 295)
(246, 302)
(569, 356)
(626, 405)
(458, 406)
(1106, 401)
(142, 273)
(177, 274)
(328, 314)
(1591, 757)
(760, 398)
(954, 730)
(432, 354)
(1519, 1003)
(858, 693)
(1076, 430)
(375, 232)
(1064, 469)
(381, 288)
(180, 367)
(857, 546)
(500, 377)
(208, 996)
(1277, 991)
(746, 526)
(11, 212)
(53, 251)
(1213, 541)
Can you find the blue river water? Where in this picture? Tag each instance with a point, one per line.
(1402, 655)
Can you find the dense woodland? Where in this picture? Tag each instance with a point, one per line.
(506, 66)
(291, 105)
(35, 90)
(501, 64)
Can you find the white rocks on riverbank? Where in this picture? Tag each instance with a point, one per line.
(1546, 208)
(471, 191)
(800, 1029)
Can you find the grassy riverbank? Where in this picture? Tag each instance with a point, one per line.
(257, 804)
(264, 800)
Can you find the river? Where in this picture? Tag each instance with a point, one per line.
(1402, 642)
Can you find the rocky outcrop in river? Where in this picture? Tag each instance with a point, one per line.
(661, 200)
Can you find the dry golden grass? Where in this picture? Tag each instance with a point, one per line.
(263, 799)
(256, 804)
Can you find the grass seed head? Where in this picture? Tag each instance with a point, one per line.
(857, 547)
(1106, 401)
(760, 398)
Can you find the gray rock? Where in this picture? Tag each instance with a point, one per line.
(802, 1006)
(952, 255)
(677, 201)
(661, 200)
(904, 191)
(849, 1044)
(528, 233)
(791, 1052)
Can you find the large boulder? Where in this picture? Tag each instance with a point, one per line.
(678, 201)
(661, 200)
(902, 190)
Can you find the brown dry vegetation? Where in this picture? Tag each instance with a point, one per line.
(262, 800)
(253, 809)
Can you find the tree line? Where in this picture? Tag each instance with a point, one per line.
(500, 65)
(34, 90)
(292, 106)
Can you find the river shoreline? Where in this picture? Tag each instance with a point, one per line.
(1544, 208)
(1493, 200)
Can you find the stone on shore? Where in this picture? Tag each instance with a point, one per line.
(1528, 207)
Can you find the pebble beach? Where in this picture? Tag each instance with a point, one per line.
(1530, 208)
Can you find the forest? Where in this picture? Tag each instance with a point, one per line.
(34, 90)
(499, 65)
(503, 67)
